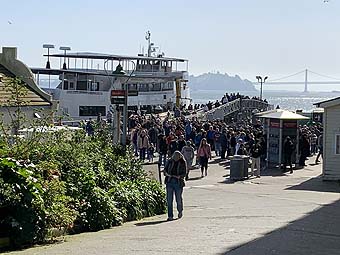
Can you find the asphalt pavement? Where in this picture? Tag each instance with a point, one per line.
(279, 213)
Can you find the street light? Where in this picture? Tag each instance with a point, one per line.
(64, 48)
(48, 47)
(261, 81)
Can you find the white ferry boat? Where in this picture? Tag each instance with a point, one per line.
(87, 79)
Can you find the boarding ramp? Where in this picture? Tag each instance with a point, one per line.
(237, 105)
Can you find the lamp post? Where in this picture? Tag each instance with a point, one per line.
(261, 81)
(48, 47)
(64, 48)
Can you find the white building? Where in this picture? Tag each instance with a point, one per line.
(331, 139)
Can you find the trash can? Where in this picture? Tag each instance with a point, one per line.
(239, 167)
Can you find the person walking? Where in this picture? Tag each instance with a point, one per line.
(204, 154)
(288, 149)
(304, 150)
(175, 172)
(255, 154)
(232, 144)
(224, 143)
(163, 150)
(189, 154)
(217, 140)
(143, 144)
(320, 148)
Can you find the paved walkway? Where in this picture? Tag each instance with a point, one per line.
(275, 214)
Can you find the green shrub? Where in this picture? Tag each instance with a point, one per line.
(78, 184)
(98, 211)
(22, 203)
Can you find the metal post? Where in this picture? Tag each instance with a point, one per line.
(125, 108)
(125, 114)
(261, 90)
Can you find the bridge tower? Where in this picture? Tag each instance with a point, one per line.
(306, 81)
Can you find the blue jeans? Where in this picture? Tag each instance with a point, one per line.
(218, 148)
(173, 187)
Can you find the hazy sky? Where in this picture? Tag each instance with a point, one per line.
(244, 37)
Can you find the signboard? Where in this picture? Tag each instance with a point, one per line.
(287, 124)
(117, 92)
(274, 123)
(117, 100)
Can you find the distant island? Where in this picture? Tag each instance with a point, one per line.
(219, 81)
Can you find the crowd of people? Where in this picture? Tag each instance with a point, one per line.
(178, 141)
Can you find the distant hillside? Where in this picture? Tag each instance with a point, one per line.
(218, 81)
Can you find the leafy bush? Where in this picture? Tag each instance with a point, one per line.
(22, 203)
(77, 183)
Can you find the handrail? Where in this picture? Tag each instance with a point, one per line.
(236, 105)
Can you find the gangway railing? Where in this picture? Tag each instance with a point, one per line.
(237, 105)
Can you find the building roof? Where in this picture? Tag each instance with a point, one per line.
(282, 115)
(10, 66)
(329, 102)
(94, 55)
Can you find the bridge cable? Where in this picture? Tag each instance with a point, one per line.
(285, 77)
(326, 76)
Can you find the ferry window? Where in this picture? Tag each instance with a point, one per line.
(95, 86)
(157, 86)
(337, 144)
(168, 86)
(132, 86)
(143, 87)
(65, 85)
(72, 85)
(81, 85)
(92, 110)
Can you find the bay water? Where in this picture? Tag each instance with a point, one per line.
(287, 100)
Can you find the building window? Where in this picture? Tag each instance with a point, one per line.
(92, 110)
(337, 144)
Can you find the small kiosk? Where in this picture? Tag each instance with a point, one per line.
(278, 125)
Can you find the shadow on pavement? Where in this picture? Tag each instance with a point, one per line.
(149, 223)
(194, 178)
(228, 181)
(317, 233)
(316, 184)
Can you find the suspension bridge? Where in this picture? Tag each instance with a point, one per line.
(307, 73)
